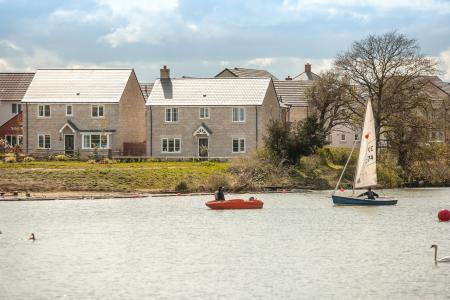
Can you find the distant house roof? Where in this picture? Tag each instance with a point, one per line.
(307, 74)
(146, 88)
(444, 86)
(292, 92)
(14, 85)
(242, 72)
(209, 91)
(77, 85)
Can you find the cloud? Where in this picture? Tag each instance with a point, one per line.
(261, 62)
(346, 6)
(5, 66)
(444, 62)
(132, 21)
(10, 45)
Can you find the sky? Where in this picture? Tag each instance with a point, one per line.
(202, 37)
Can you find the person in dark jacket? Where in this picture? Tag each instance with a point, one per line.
(370, 194)
(219, 194)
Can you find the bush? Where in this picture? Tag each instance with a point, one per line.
(107, 161)
(91, 161)
(215, 181)
(60, 157)
(28, 159)
(182, 186)
(310, 165)
(10, 159)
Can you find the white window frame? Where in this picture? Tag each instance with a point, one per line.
(43, 135)
(238, 114)
(43, 111)
(89, 146)
(239, 139)
(71, 110)
(18, 137)
(97, 106)
(205, 109)
(16, 108)
(356, 137)
(174, 145)
(171, 118)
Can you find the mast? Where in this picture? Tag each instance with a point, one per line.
(345, 167)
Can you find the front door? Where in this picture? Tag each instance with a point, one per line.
(69, 144)
(203, 146)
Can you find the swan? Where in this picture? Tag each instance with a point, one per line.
(443, 259)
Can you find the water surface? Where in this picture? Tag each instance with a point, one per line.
(298, 247)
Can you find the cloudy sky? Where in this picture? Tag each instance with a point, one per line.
(201, 37)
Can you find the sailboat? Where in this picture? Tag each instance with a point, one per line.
(366, 168)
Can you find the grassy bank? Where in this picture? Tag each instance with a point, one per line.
(249, 173)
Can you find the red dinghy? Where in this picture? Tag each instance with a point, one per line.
(235, 204)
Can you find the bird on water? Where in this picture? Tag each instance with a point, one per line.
(443, 259)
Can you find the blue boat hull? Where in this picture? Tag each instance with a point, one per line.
(339, 200)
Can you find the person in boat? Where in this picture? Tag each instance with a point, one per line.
(370, 194)
(32, 237)
(219, 194)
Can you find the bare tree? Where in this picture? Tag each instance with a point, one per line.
(387, 69)
(329, 99)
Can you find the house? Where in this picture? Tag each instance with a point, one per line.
(209, 117)
(12, 89)
(439, 111)
(84, 111)
(245, 73)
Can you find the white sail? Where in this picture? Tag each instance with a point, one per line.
(366, 169)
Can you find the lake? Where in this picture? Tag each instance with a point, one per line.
(299, 246)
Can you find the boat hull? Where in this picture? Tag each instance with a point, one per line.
(235, 204)
(339, 200)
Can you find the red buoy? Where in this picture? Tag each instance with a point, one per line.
(444, 215)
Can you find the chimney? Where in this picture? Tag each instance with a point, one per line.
(308, 67)
(288, 78)
(164, 73)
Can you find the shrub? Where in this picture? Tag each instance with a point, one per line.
(28, 159)
(182, 186)
(60, 157)
(215, 181)
(91, 161)
(310, 165)
(10, 159)
(107, 161)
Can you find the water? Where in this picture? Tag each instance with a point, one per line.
(298, 247)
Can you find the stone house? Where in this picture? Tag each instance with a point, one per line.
(439, 112)
(12, 89)
(82, 111)
(209, 117)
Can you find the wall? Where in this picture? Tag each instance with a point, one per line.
(6, 111)
(81, 118)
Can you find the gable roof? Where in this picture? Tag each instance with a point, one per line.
(243, 72)
(223, 91)
(14, 85)
(292, 92)
(307, 75)
(444, 86)
(77, 85)
(146, 88)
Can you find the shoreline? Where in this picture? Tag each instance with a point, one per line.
(87, 195)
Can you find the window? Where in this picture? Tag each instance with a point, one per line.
(44, 111)
(14, 140)
(238, 145)
(69, 110)
(44, 141)
(342, 137)
(238, 114)
(16, 108)
(204, 113)
(172, 114)
(356, 137)
(170, 145)
(92, 141)
(98, 111)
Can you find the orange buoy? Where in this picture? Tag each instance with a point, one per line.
(444, 215)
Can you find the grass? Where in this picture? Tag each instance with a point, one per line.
(82, 176)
